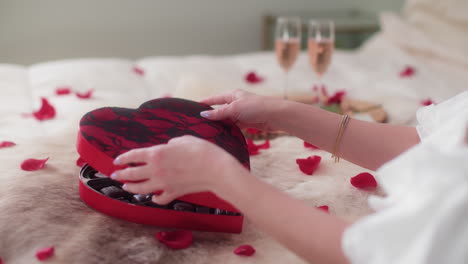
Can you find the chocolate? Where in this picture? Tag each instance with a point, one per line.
(141, 198)
(100, 175)
(202, 210)
(183, 207)
(113, 192)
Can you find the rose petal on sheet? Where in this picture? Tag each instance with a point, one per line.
(33, 164)
(253, 78)
(323, 208)
(364, 180)
(309, 165)
(63, 90)
(80, 162)
(253, 131)
(47, 111)
(323, 90)
(1, 261)
(138, 70)
(408, 71)
(7, 144)
(244, 250)
(45, 253)
(85, 95)
(427, 102)
(336, 98)
(308, 145)
(179, 239)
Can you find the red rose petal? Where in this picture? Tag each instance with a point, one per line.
(244, 250)
(427, 102)
(80, 162)
(138, 70)
(7, 144)
(324, 91)
(33, 164)
(255, 149)
(1, 261)
(364, 180)
(63, 90)
(253, 131)
(45, 253)
(309, 165)
(253, 78)
(323, 208)
(408, 71)
(308, 145)
(336, 98)
(179, 239)
(85, 95)
(47, 111)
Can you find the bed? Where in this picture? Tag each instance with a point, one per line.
(42, 208)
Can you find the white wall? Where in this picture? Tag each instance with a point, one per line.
(38, 30)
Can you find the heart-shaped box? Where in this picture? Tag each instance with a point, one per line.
(108, 132)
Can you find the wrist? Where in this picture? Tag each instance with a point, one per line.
(278, 113)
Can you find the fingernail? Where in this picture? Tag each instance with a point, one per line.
(205, 113)
(116, 161)
(124, 186)
(113, 175)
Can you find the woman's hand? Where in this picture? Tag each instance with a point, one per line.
(184, 165)
(244, 108)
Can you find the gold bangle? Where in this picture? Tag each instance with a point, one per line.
(343, 125)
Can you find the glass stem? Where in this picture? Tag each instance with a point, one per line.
(285, 88)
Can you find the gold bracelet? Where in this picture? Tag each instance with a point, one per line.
(343, 125)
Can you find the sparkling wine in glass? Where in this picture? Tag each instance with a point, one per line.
(287, 45)
(321, 44)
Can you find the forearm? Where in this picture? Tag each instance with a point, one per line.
(310, 233)
(364, 143)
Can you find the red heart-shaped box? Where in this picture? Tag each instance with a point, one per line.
(108, 132)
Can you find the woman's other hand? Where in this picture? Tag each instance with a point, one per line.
(184, 165)
(246, 109)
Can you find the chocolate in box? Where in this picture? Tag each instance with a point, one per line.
(108, 132)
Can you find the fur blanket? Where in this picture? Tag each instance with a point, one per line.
(43, 208)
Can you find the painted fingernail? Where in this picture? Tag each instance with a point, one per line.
(116, 161)
(205, 113)
(113, 175)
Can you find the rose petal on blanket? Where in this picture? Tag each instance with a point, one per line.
(45, 253)
(80, 162)
(364, 180)
(7, 144)
(408, 71)
(1, 261)
(323, 208)
(336, 98)
(85, 95)
(427, 102)
(63, 90)
(47, 111)
(308, 145)
(138, 70)
(253, 78)
(255, 149)
(309, 165)
(179, 239)
(33, 164)
(253, 131)
(244, 250)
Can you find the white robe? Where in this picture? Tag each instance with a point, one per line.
(424, 217)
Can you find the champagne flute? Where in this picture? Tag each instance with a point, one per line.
(321, 44)
(287, 45)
